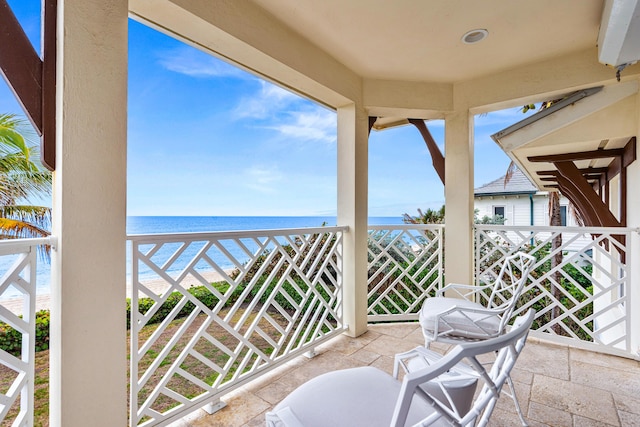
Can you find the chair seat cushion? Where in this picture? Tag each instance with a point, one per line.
(467, 325)
(355, 397)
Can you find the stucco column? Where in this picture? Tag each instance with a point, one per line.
(352, 211)
(633, 220)
(88, 330)
(458, 246)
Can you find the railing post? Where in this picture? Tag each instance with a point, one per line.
(634, 292)
(29, 340)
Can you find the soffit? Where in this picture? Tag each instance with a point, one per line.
(532, 168)
(606, 122)
(421, 40)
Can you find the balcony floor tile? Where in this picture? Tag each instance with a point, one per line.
(556, 385)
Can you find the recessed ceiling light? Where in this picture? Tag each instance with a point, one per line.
(474, 36)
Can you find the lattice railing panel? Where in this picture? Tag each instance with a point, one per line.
(580, 283)
(404, 267)
(259, 299)
(18, 260)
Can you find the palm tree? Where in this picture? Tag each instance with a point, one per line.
(22, 180)
(429, 217)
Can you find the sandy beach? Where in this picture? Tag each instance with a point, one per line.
(158, 286)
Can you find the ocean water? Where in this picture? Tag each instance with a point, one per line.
(188, 224)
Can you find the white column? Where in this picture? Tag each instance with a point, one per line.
(458, 247)
(88, 330)
(633, 220)
(352, 211)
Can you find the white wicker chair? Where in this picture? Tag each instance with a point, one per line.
(426, 397)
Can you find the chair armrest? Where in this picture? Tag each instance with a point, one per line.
(424, 354)
(458, 288)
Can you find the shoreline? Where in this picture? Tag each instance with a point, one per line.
(158, 286)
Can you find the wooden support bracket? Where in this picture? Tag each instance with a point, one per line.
(32, 80)
(577, 189)
(436, 155)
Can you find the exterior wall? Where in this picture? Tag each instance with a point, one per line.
(518, 209)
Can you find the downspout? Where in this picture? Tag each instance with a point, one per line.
(531, 209)
(531, 214)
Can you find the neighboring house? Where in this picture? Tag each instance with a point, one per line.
(519, 202)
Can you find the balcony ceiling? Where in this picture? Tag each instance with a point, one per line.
(412, 40)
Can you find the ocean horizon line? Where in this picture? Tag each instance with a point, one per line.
(253, 216)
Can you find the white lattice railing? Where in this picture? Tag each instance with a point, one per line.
(262, 297)
(18, 259)
(404, 268)
(580, 283)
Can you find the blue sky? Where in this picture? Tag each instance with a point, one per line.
(206, 138)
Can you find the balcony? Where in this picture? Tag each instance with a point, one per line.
(228, 317)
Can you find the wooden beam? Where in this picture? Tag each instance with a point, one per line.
(437, 159)
(628, 156)
(583, 170)
(588, 177)
(21, 66)
(584, 155)
(372, 121)
(623, 197)
(49, 29)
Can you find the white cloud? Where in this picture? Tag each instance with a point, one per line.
(262, 179)
(316, 125)
(191, 62)
(288, 114)
(265, 103)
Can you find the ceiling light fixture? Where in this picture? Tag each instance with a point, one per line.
(474, 36)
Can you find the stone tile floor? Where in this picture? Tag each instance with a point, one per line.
(556, 385)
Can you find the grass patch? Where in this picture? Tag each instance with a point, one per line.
(177, 383)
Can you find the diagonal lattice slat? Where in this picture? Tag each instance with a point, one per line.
(18, 262)
(580, 282)
(212, 311)
(404, 267)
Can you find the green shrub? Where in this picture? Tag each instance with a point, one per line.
(11, 339)
(201, 293)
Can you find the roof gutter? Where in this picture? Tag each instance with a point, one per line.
(571, 99)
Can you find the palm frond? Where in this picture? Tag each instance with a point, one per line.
(575, 213)
(16, 229)
(12, 135)
(510, 171)
(38, 216)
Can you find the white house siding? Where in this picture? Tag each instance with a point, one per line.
(541, 210)
(518, 208)
(518, 213)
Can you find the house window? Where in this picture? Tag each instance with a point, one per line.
(563, 216)
(498, 211)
